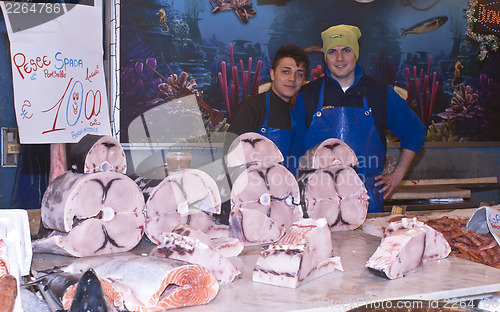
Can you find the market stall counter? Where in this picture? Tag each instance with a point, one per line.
(451, 280)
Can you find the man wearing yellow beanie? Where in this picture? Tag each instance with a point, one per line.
(354, 107)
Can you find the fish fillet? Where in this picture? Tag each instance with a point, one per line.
(184, 248)
(398, 254)
(302, 254)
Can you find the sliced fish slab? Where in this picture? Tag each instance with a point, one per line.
(270, 189)
(252, 227)
(179, 199)
(436, 246)
(178, 247)
(251, 148)
(337, 194)
(328, 153)
(398, 254)
(96, 153)
(302, 254)
(91, 214)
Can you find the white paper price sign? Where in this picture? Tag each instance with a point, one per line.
(57, 70)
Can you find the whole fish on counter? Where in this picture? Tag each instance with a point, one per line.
(91, 214)
(151, 283)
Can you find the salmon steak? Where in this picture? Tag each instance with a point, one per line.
(151, 284)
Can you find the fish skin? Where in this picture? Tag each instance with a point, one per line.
(425, 26)
(8, 293)
(89, 295)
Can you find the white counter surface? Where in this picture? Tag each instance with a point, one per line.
(339, 291)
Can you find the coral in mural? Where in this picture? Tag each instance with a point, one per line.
(442, 132)
(421, 94)
(231, 92)
(138, 81)
(474, 115)
(242, 8)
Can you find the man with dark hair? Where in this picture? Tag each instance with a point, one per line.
(353, 107)
(269, 113)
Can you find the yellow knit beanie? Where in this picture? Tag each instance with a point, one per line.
(341, 35)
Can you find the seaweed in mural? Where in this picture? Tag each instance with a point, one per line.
(231, 91)
(421, 94)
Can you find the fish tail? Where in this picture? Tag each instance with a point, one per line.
(404, 31)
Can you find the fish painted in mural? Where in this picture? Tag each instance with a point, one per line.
(242, 8)
(425, 26)
(163, 19)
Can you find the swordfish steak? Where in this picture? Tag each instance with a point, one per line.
(271, 189)
(328, 153)
(337, 194)
(251, 148)
(95, 153)
(187, 196)
(91, 214)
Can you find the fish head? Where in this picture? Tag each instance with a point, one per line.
(89, 295)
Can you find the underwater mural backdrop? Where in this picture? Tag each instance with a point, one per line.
(220, 51)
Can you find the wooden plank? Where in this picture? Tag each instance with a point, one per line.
(429, 207)
(481, 180)
(429, 192)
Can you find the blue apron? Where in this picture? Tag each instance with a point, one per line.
(281, 137)
(354, 126)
